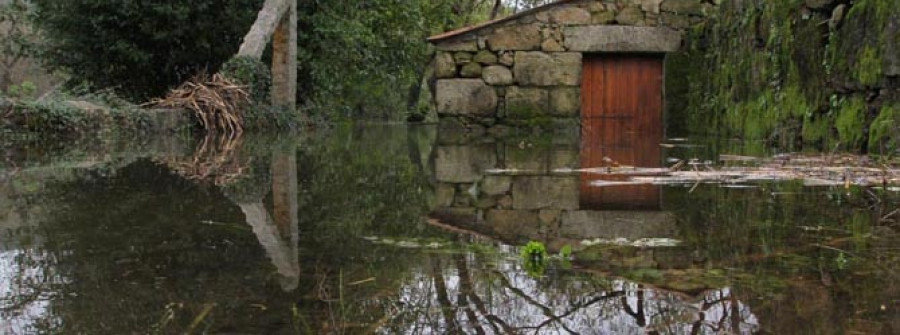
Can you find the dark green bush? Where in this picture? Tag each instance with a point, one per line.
(141, 48)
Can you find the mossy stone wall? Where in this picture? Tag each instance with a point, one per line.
(793, 72)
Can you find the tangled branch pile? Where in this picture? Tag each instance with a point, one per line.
(216, 101)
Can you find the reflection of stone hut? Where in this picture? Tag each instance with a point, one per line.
(539, 65)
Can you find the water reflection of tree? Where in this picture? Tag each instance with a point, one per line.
(493, 298)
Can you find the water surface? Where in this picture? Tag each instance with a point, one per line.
(394, 229)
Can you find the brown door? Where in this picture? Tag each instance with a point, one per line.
(621, 124)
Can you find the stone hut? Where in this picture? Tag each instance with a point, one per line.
(563, 63)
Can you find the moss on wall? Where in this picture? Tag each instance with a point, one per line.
(780, 71)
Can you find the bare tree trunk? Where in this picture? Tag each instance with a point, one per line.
(261, 32)
(284, 59)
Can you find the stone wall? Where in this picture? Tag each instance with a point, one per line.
(812, 73)
(526, 70)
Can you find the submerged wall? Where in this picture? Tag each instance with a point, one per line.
(793, 72)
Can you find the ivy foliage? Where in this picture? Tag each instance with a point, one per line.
(141, 48)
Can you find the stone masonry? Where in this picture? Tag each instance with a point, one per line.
(525, 70)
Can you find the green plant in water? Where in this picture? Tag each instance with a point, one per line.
(534, 258)
(841, 261)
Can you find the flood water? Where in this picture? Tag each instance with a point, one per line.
(395, 229)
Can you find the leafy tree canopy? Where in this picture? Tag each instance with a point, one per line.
(141, 48)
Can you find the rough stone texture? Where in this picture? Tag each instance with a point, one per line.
(675, 21)
(570, 15)
(526, 102)
(445, 65)
(497, 75)
(565, 159)
(496, 185)
(465, 97)
(463, 164)
(526, 37)
(524, 158)
(689, 7)
(507, 58)
(513, 225)
(469, 45)
(549, 216)
(552, 45)
(650, 6)
(630, 16)
(462, 58)
(615, 224)
(603, 17)
(545, 192)
(565, 101)
(485, 57)
(470, 70)
(444, 195)
(543, 69)
(621, 39)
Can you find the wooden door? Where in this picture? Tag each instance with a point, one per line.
(621, 124)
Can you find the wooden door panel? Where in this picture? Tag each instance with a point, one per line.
(621, 121)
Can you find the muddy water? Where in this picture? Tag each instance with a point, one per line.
(386, 229)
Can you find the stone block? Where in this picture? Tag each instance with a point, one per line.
(444, 195)
(564, 158)
(506, 58)
(603, 17)
(632, 225)
(445, 65)
(513, 225)
(457, 45)
(548, 69)
(496, 185)
(462, 58)
(539, 192)
(522, 37)
(528, 160)
(630, 16)
(526, 102)
(485, 57)
(688, 7)
(465, 97)
(570, 15)
(552, 45)
(565, 101)
(497, 75)
(471, 70)
(675, 21)
(621, 39)
(650, 6)
(464, 163)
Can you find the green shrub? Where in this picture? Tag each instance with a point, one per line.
(141, 48)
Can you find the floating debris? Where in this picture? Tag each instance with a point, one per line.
(641, 243)
(407, 244)
(813, 171)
